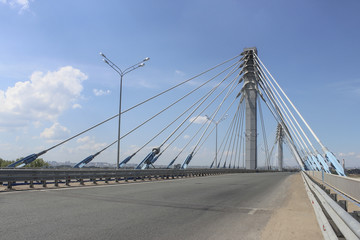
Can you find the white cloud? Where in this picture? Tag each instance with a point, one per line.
(23, 5)
(55, 132)
(140, 83)
(43, 97)
(186, 136)
(89, 143)
(199, 120)
(180, 73)
(37, 124)
(83, 139)
(100, 92)
(76, 105)
(350, 87)
(349, 154)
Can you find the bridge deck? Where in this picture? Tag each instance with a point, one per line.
(233, 206)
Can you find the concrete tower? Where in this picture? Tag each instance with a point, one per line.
(280, 139)
(250, 93)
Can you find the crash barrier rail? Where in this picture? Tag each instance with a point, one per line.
(29, 176)
(346, 185)
(349, 226)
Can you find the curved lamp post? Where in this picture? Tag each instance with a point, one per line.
(121, 74)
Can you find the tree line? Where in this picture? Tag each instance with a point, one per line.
(38, 163)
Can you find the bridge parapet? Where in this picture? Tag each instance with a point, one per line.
(346, 185)
(11, 176)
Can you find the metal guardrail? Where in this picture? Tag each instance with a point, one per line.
(324, 224)
(348, 226)
(11, 176)
(346, 185)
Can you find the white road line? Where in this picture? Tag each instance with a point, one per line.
(252, 211)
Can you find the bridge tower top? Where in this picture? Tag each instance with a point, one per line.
(251, 49)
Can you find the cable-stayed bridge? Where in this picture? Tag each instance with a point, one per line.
(235, 93)
(237, 89)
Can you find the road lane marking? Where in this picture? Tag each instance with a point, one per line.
(252, 211)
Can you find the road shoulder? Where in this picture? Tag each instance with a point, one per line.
(296, 218)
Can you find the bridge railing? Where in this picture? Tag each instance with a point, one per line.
(29, 176)
(346, 185)
(347, 226)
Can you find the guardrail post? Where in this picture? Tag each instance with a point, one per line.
(44, 183)
(343, 204)
(9, 186)
(81, 181)
(356, 215)
(67, 181)
(333, 196)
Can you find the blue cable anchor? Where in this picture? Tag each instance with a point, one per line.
(172, 162)
(212, 164)
(187, 161)
(315, 160)
(338, 168)
(86, 160)
(307, 167)
(125, 161)
(218, 166)
(26, 160)
(148, 158)
(323, 163)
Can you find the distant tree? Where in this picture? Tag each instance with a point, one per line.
(5, 163)
(38, 163)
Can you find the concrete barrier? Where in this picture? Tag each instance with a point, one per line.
(348, 186)
(14, 176)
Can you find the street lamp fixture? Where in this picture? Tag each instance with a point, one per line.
(216, 126)
(121, 74)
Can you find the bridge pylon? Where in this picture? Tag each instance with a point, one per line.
(250, 91)
(280, 139)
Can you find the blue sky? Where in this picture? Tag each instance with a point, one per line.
(53, 83)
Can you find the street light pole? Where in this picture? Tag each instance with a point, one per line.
(216, 147)
(216, 126)
(118, 142)
(121, 73)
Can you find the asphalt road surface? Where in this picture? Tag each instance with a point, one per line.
(232, 206)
